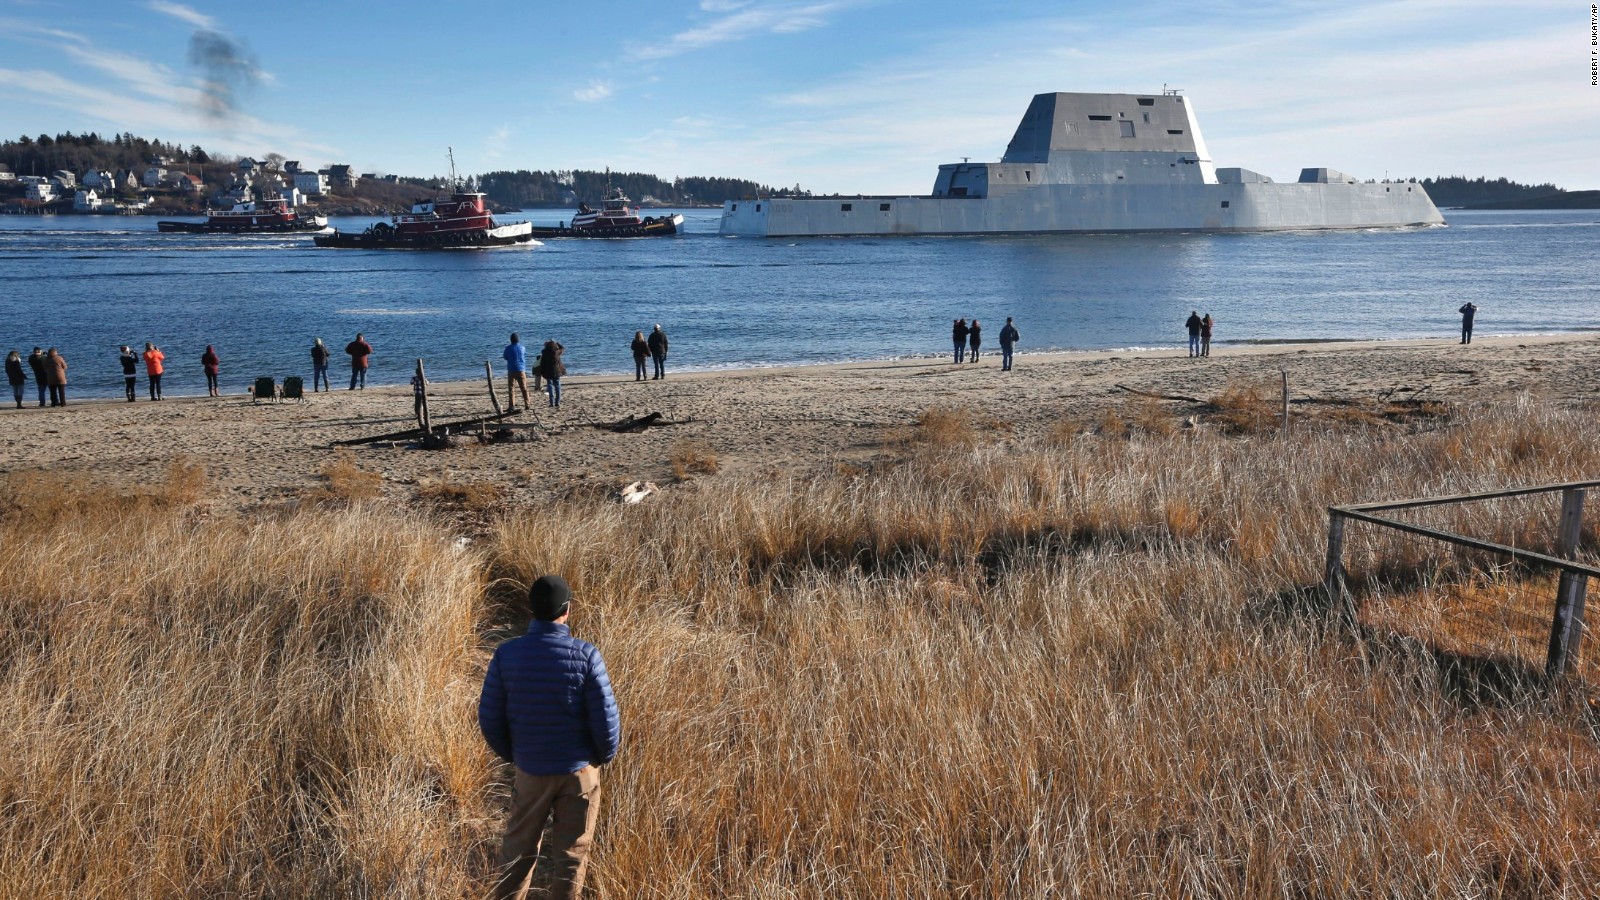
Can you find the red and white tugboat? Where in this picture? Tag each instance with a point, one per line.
(461, 221)
(614, 219)
(270, 216)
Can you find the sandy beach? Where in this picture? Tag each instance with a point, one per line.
(753, 421)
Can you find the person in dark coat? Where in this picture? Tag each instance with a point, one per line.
(1469, 311)
(658, 351)
(55, 372)
(1193, 324)
(551, 369)
(15, 376)
(958, 336)
(319, 365)
(36, 362)
(1008, 343)
(974, 340)
(547, 708)
(1206, 324)
(130, 369)
(213, 366)
(641, 352)
(360, 351)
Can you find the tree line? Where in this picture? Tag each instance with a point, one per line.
(1458, 190)
(78, 153)
(566, 187)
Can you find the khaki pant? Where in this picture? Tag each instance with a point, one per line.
(570, 803)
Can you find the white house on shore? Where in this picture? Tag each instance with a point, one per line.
(44, 192)
(87, 200)
(102, 180)
(311, 183)
(153, 176)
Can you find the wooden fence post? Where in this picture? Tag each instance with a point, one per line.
(488, 374)
(422, 411)
(1285, 373)
(1566, 629)
(1333, 572)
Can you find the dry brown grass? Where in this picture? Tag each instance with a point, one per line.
(691, 458)
(471, 496)
(344, 481)
(1246, 408)
(1046, 668)
(277, 707)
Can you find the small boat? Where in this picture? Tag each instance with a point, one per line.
(614, 219)
(461, 221)
(270, 216)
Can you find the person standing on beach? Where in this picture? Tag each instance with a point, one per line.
(359, 351)
(516, 357)
(130, 370)
(1193, 324)
(1008, 343)
(547, 708)
(15, 376)
(153, 358)
(37, 361)
(1469, 311)
(213, 367)
(551, 368)
(641, 352)
(319, 365)
(958, 336)
(56, 374)
(1205, 334)
(658, 351)
(974, 339)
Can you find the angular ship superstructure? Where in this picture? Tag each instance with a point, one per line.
(1097, 163)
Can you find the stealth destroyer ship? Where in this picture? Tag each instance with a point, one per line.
(1097, 163)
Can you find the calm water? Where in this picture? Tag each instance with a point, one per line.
(86, 284)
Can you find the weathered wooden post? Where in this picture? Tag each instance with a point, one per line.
(1285, 373)
(1333, 571)
(1566, 629)
(488, 374)
(422, 409)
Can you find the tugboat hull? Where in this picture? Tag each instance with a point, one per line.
(393, 239)
(302, 225)
(650, 227)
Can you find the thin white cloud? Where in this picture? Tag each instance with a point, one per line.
(494, 146)
(744, 20)
(595, 92)
(179, 11)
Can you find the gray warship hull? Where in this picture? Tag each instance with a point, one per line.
(1086, 163)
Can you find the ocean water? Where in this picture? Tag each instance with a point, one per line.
(86, 284)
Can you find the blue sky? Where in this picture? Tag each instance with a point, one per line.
(834, 95)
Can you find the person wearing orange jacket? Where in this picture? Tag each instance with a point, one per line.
(153, 359)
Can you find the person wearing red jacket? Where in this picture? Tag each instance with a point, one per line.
(213, 367)
(359, 351)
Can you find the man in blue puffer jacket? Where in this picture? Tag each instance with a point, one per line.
(547, 707)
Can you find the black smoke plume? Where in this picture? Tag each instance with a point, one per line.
(227, 68)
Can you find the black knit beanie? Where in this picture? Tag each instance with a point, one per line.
(548, 596)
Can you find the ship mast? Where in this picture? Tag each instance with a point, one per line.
(451, 152)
